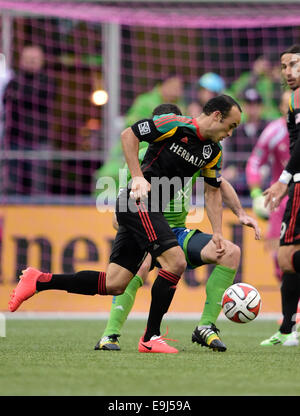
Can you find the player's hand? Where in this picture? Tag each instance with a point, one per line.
(250, 222)
(275, 194)
(218, 239)
(139, 188)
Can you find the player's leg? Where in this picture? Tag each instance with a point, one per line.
(155, 235)
(200, 250)
(124, 262)
(86, 282)
(273, 235)
(120, 309)
(173, 264)
(220, 279)
(290, 287)
(289, 262)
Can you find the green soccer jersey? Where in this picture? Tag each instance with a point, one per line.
(178, 208)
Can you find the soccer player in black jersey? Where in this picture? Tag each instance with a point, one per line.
(179, 146)
(289, 183)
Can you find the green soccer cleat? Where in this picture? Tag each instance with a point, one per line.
(288, 340)
(108, 343)
(207, 336)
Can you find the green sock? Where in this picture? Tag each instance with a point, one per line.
(219, 280)
(121, 306)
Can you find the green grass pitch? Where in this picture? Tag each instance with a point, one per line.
(56, 358)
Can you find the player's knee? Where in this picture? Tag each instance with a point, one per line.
(179, 265)
(285, 261)
(115, 289)
(116, 284)
(232, 256)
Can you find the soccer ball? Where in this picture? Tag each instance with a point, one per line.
(259, 208)
(241, 303)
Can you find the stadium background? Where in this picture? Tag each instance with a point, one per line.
(124, 48)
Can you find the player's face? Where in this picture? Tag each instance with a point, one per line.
(223, 127)
(290, 69)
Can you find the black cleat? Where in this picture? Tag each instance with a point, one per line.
(207, 336)
(108, 343)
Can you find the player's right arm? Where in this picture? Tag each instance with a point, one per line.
(130, 143)
(279, 189)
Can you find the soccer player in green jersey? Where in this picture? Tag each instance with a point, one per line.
(195, 245)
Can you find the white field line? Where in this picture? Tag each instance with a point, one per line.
(132, 316)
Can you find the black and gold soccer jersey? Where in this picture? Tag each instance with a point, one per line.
(293, 124)
(177, 149)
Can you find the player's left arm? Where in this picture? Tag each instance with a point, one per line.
(232, 201)
(214, 209)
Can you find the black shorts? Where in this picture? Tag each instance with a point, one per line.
(141, 231)
(290, 226)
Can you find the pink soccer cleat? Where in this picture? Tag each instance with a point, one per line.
(25, 288)
(157, 344)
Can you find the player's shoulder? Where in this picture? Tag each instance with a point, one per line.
(170, 118)
(294, 102)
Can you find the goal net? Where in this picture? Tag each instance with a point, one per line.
(58, 126)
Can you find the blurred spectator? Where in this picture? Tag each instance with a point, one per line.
(238, 148)
(26, 108)
(5, 76)
(170, 90)
(261, 78)
(272, 149)
(208, 86)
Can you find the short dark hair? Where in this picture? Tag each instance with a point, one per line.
(291, 49)
(166, 109)
(222, 103)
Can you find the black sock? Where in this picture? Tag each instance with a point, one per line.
(296, 261)
(84, 283)
(290, 292)
(162, 293)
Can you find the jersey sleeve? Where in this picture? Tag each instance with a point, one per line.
(145, 130)
(165, 126)
(212, 172)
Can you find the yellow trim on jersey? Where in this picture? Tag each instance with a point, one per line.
(166, 135)
(290, 102)
(208, 173)
(213, 162)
